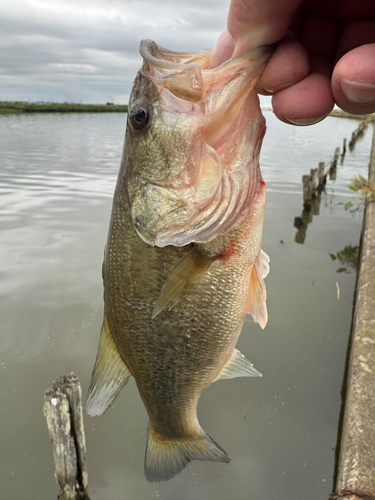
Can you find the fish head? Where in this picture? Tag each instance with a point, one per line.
(190, 161)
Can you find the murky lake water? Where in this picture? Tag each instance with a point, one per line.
(57, 175)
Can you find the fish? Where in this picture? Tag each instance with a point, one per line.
(183, 262)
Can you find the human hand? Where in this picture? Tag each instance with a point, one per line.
(325, 54)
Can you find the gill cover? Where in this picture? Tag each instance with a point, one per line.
(192, 166)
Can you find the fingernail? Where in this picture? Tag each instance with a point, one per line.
(304, 121)
(358, 93)
(276, 89)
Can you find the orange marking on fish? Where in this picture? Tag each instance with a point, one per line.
(230, 251)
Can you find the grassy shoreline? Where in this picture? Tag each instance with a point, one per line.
(342, 114)
(7, 107)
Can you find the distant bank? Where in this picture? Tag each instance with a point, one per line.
(7, 107)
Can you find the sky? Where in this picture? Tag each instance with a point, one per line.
(87, 51)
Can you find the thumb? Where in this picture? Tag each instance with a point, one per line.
(252, 23)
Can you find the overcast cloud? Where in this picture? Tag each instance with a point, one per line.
(80, 50)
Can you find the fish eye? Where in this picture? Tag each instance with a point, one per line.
(139, 116)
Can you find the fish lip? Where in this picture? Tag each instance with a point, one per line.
(149, 50)
(164, 58)
(181, 77)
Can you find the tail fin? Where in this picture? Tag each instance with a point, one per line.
(165, 458)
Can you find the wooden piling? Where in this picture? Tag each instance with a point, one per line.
(358, 133)
(314, 182)
(307, 192)
(343, 151)
(321, 176)
(64, 415)
(333, 167)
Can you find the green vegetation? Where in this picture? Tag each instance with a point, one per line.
(348, 258)
(365, 191)
(55, 107)
(7, 107)
(363, 186)
(343, 114)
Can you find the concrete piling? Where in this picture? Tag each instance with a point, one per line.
(356, 468)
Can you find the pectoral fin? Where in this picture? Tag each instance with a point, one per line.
(182, 280)
(109, 376)
(256, 305)
(238, 366)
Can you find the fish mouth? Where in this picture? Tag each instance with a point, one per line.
(179, 72)
(229, 134)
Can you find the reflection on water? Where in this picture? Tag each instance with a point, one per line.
(57, 176)
(348, 258)
(306, 218)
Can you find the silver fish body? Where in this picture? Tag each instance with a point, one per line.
(183, 262)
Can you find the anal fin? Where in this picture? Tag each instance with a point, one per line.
(109, 376)
(238, 366)
(182, 280)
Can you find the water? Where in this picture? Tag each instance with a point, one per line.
(57, 175)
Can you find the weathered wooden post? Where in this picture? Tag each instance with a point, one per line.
(357, 133)
(314, 181)
(343, 151)
(306, 182)
(64, 415)
(321, 176)
(333, 167)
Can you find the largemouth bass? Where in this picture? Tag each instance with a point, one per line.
(183, 261)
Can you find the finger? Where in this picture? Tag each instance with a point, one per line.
(342, 9)
(353, 80)
(319, 35)
(252, 23)
(288, 65)
(320, 64)
(223, 49)
(354, 35)
(305, 103)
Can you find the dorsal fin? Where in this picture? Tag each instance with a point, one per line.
(256, 304)
(109, 376)
(238, 366)
(182, 280)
